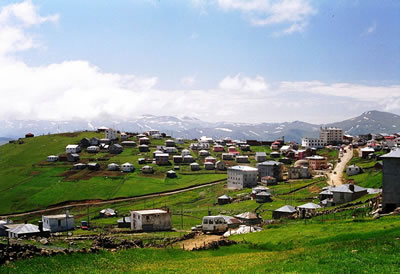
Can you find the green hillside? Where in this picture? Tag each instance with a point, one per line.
(28, 182)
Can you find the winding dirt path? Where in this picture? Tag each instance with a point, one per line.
(336, 177)
(72, 204)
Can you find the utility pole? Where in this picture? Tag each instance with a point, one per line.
(182, 217)
(88, 218)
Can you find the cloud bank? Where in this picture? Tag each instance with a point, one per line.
(77, 89)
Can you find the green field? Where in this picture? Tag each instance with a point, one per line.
(28, 182)
(350, 246)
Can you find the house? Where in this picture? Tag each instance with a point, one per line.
(227, 156)
(353, 170)
(275, 154)
(317, 162)
(85, 142)
(194, 146)
(326, 193)
(232, 150)
(144, 141)
(204, 153)
(169, 143)
(142, 161)
(124, 222)
(170, 149)
(286, 211)
(242, 176)
(299, 172)
(365, 151)
(26, 230)
(391, 183)
(218, 148)
(188, 159)
(194, 167)
(72, 149)
(57, 223)
(185, 152)
(268, 181)
(210, 159)
(249, 218)
(162, 158)
(144, 148)
(128, 143)
(179, 141)
(52, 158)
(263, 197)
(127, 167)
(270, 168)
(171, 174)
(115, 149)
(104, 141)
(102, 129)
(123, 136)
(113, 167)
(209, 166)
(107, 212)
(94, 141)
(93, 149)
(224, 199)
(73, 157)
(308, 208)
(150, 220)
(261, 156)
(347, 193)
(242, 159)
(152, 132)
(93, 166)
(29, 135)
(79, 166)
(139, 136)
(259, 189)
(285, 149)
(275, 145)
(111, 134)
(177, 159)
(312, 142)
(220, 165)
(147, 169)
(245, 147)
(157, 152)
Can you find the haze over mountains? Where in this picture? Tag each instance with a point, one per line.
(189, 127)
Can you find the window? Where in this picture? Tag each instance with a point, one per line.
(59, 222)
(205, 221)
(211, 222)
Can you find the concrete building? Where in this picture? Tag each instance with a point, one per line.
(111, 134)
(299, 172)
(331, 135)
(317, 162)
(150, 220)
(72, 149)
(312, 142)
(60, 222)
(270, 168)
(162, 158)
(353, 170)
(242, 176)
(391, 181)
(347, 193)
(261, 157)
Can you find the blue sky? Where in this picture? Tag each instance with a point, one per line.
(261, 60)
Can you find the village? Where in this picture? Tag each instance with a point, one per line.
(262, 183)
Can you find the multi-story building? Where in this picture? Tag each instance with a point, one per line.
(242, 176)
(111, 134)
(312, 142)
(391, 183)
(331, 135)
(270, 168)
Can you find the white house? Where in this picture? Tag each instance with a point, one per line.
(153, 132)
(180, 141)
(312, 142)
(150, 220)
(72, 149)
(60, 222)
(127, 167)
(93, 149)
(111, 134)
(353, 170)
(52, 158)
(242, 176)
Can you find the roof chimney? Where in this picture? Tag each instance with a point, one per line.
(40, 226)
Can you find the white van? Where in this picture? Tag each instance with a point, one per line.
(214, 224)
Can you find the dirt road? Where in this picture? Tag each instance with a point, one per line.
(72, 204)
(336, 177)
(198, 241)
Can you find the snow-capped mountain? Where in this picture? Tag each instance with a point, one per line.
(189, 127)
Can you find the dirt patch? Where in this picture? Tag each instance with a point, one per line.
(35, 173)
(199, 241)
(314, 189)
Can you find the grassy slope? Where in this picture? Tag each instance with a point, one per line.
(27, 182)
(341, 246)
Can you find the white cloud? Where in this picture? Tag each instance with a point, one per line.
(371, 29)
(241, 83)
(292, 14)
(188, 81)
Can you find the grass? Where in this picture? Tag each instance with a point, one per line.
(336, 246)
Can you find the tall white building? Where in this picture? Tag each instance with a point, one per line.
(111, 134)
(312, 142)
(331, 135)
(242, 176)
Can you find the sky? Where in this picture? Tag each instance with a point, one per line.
(216, 60)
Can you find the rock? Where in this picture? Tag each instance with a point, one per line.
(376, 216)
(44, 241)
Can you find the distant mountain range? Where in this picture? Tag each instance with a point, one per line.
(191, 128)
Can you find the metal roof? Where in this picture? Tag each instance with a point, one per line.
(269, 163)
(346, 188)
(309, 206)
(244, 168)
(247, 215)
(286, 208)
(58, 216)
(150, 211)
(392, 154)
